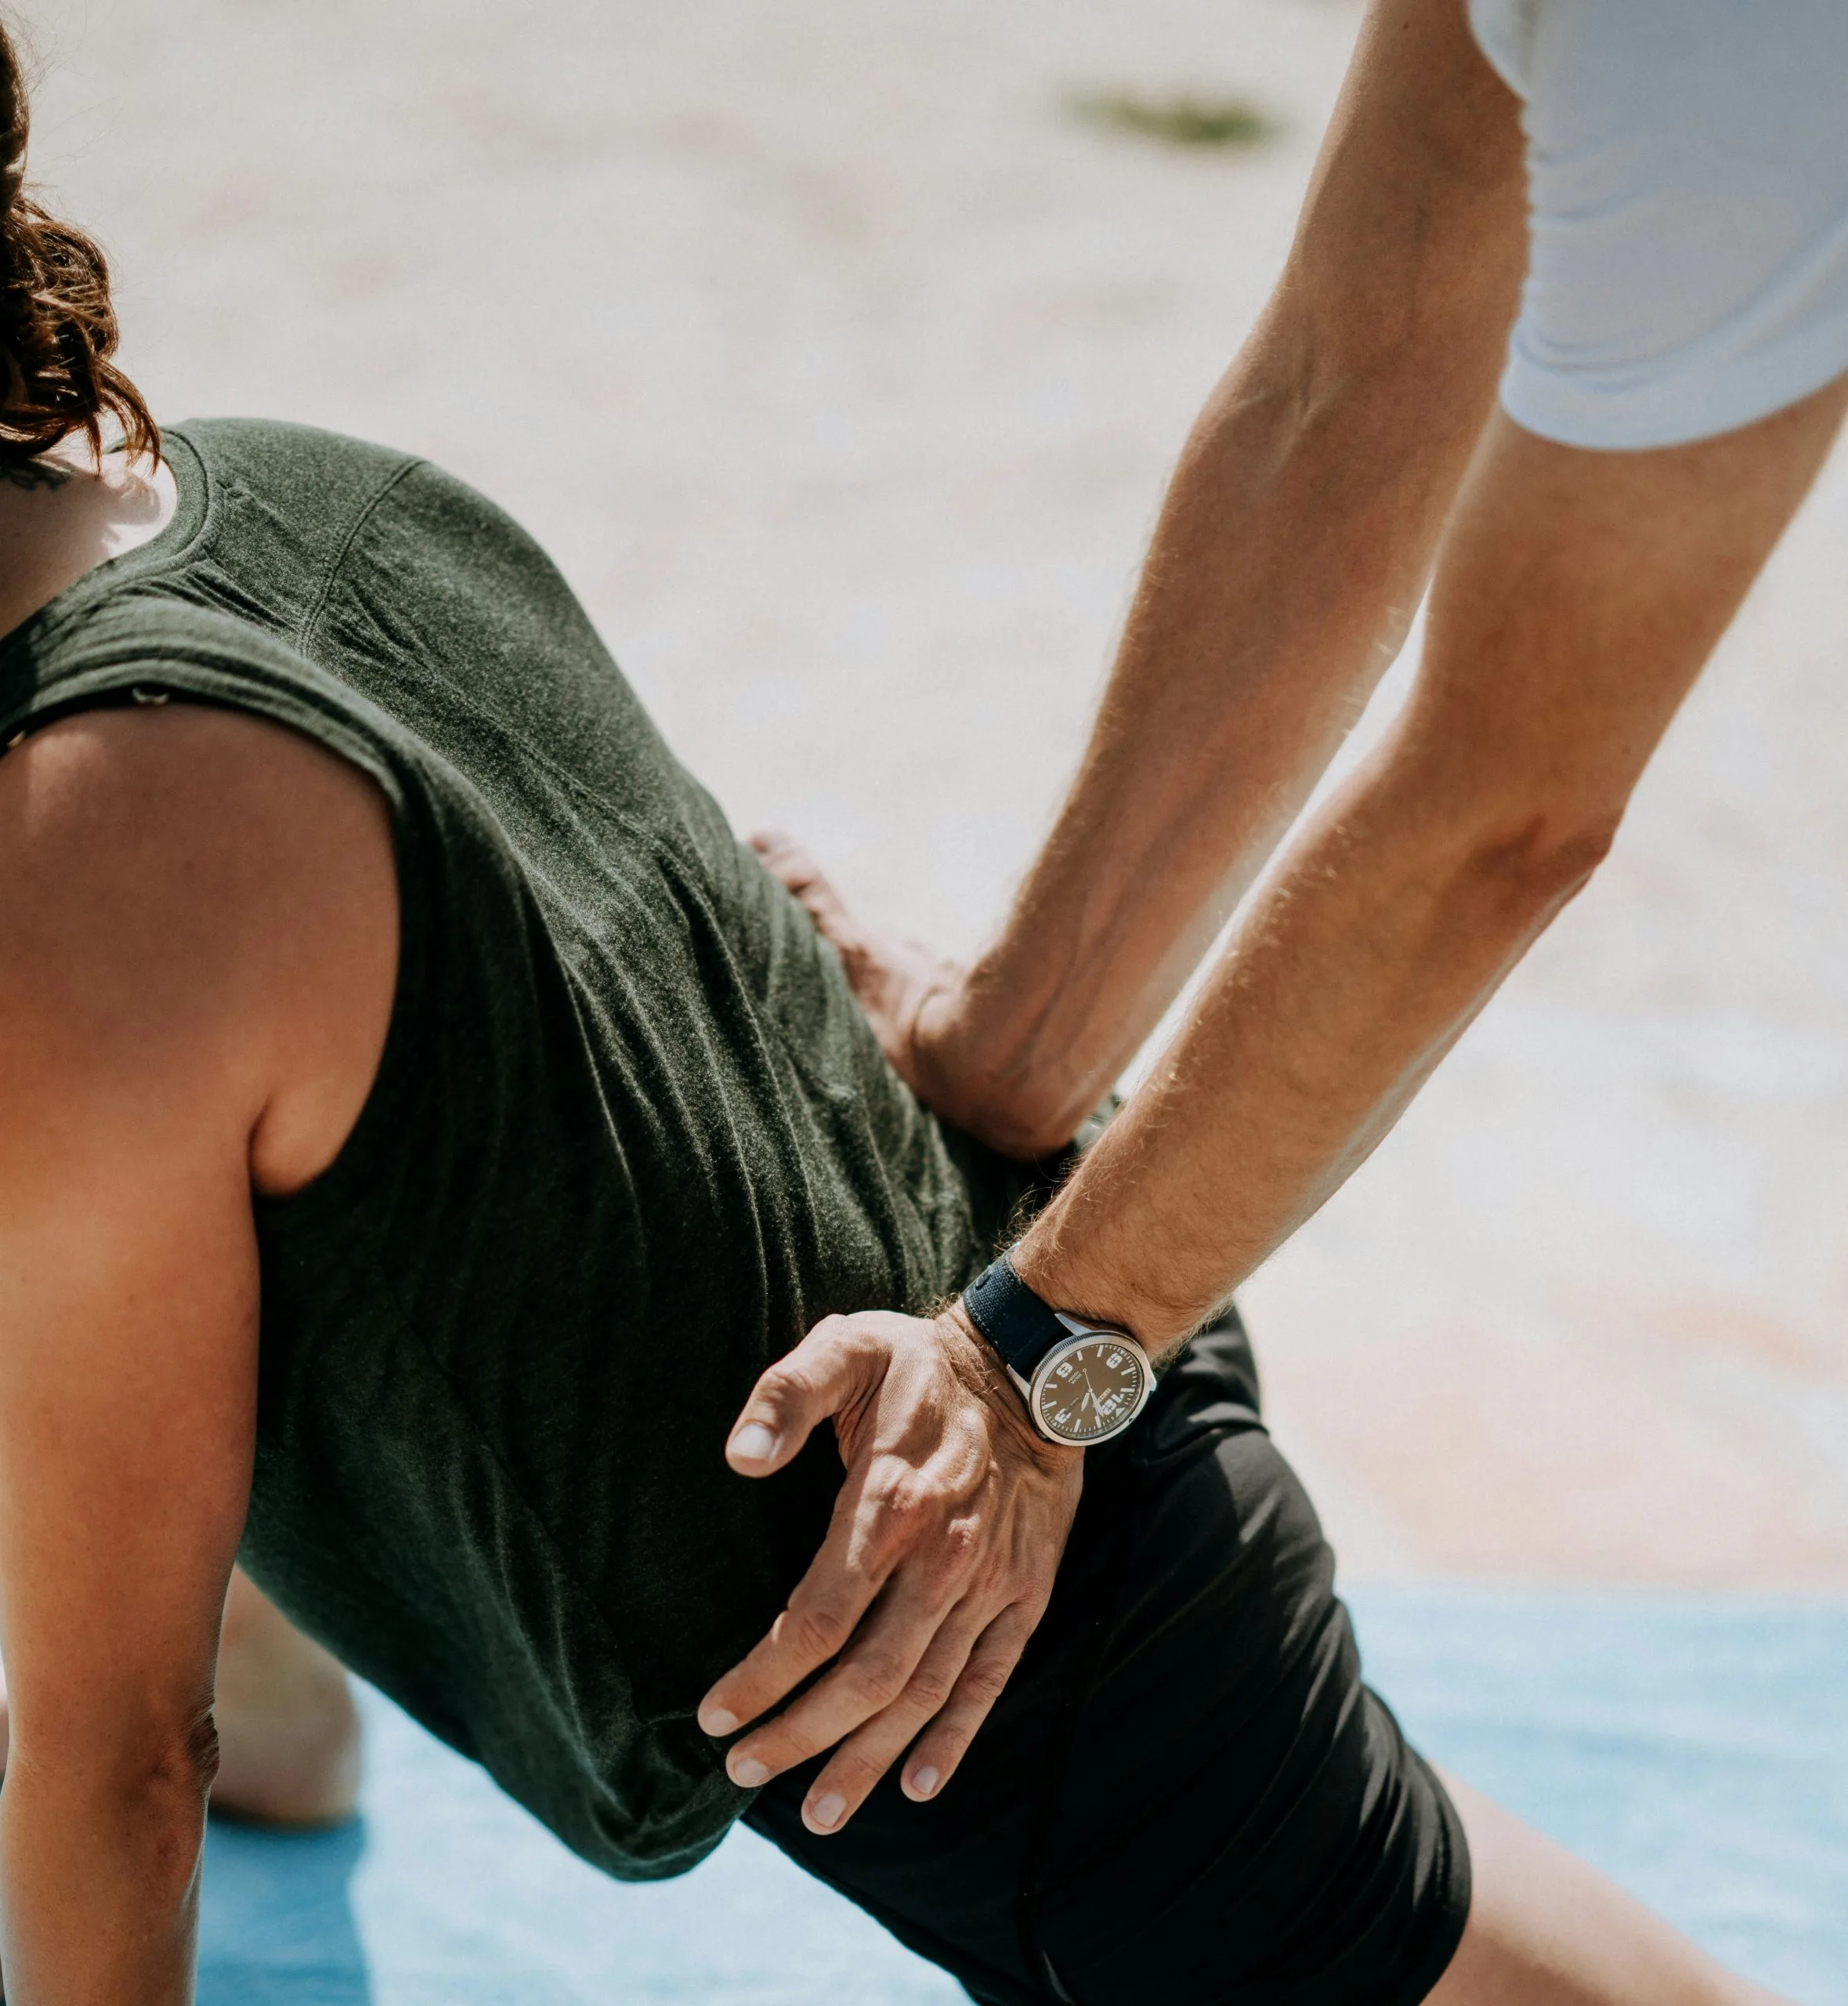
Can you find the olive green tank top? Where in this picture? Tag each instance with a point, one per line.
(629, 1137)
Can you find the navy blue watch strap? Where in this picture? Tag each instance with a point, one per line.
(1022, 1327)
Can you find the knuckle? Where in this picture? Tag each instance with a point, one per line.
(782, 1384)
(984, 1680)
(877, 1677)
(814, 1630)
(930, 1689)
(960, 1543)
(897, 1497)
(858, 1764)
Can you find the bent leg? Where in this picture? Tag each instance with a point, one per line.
(1186, 1796)
(1546, 1929)
(288, 1731)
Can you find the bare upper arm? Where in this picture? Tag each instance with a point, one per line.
(1413, 237)
(197, 951)
(1577, 594)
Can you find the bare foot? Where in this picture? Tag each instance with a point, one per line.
(288, 1731)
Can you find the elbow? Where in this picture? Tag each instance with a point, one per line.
(131, 1803)
(151, 1778)
(161, 1792)
(1526, 865)
(163, 1786)
(191, 1767)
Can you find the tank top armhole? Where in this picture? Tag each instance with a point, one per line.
(160, 680)
(380, 1124)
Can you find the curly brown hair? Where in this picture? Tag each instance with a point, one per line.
(57, 325)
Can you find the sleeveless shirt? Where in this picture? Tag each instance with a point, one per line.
(629, 1137)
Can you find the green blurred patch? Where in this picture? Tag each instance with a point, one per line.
(1184, 120)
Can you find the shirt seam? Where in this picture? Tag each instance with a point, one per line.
(331, 571)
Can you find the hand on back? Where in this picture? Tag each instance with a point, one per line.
(913, 997)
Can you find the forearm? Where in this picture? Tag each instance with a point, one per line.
(1577, 598)
(1383, 934)
(100, 1888)
(1286, 564)
(1267, 609)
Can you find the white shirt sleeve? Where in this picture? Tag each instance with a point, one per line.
(1687, 164)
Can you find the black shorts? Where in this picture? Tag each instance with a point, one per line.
(1186, 1794)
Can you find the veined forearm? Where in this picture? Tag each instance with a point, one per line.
(1383, 934)
(1286, 567)
(1288, 559)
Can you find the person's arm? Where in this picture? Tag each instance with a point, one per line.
(1577, 597)
(1288, 561)
(192, 992)
(127, 1306)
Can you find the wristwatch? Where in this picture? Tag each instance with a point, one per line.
(1082, 1382)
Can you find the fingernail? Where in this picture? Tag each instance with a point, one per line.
(753, 1442)
(923, 1781)
(826, 1811)
(715, 1720)
(747, 1772)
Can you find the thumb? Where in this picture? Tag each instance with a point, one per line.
(825, 1372)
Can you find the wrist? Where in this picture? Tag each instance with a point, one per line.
(1084, 1285)
(978, 1065)
(1082, 1382)
(972, 1359)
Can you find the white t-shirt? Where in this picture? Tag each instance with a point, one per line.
(1687, 164)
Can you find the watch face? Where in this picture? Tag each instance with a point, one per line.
(1090, 1388)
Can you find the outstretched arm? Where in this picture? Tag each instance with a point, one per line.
(197, 939)
(1577, 596)
(1288, 559)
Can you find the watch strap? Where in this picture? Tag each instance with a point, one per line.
(1022, 1326)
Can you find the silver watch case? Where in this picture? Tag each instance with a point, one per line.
(1083, 1334)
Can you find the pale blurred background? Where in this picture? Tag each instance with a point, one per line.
(840, 362)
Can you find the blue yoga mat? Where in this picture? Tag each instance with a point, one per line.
(1698, 1751)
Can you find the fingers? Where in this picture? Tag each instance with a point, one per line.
(874, 1525)
(991, 1664)
(812, 1630)
(825, 1372)
(947, 1529)
(864, 1757)
(894, 1649)
(952, 1692)
(787, 860)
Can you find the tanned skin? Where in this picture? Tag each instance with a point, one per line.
(198, 935)
(198, 943)
(1353, 443)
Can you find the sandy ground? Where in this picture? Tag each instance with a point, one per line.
(840, 366)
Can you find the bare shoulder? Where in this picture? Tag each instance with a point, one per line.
(198, 911)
